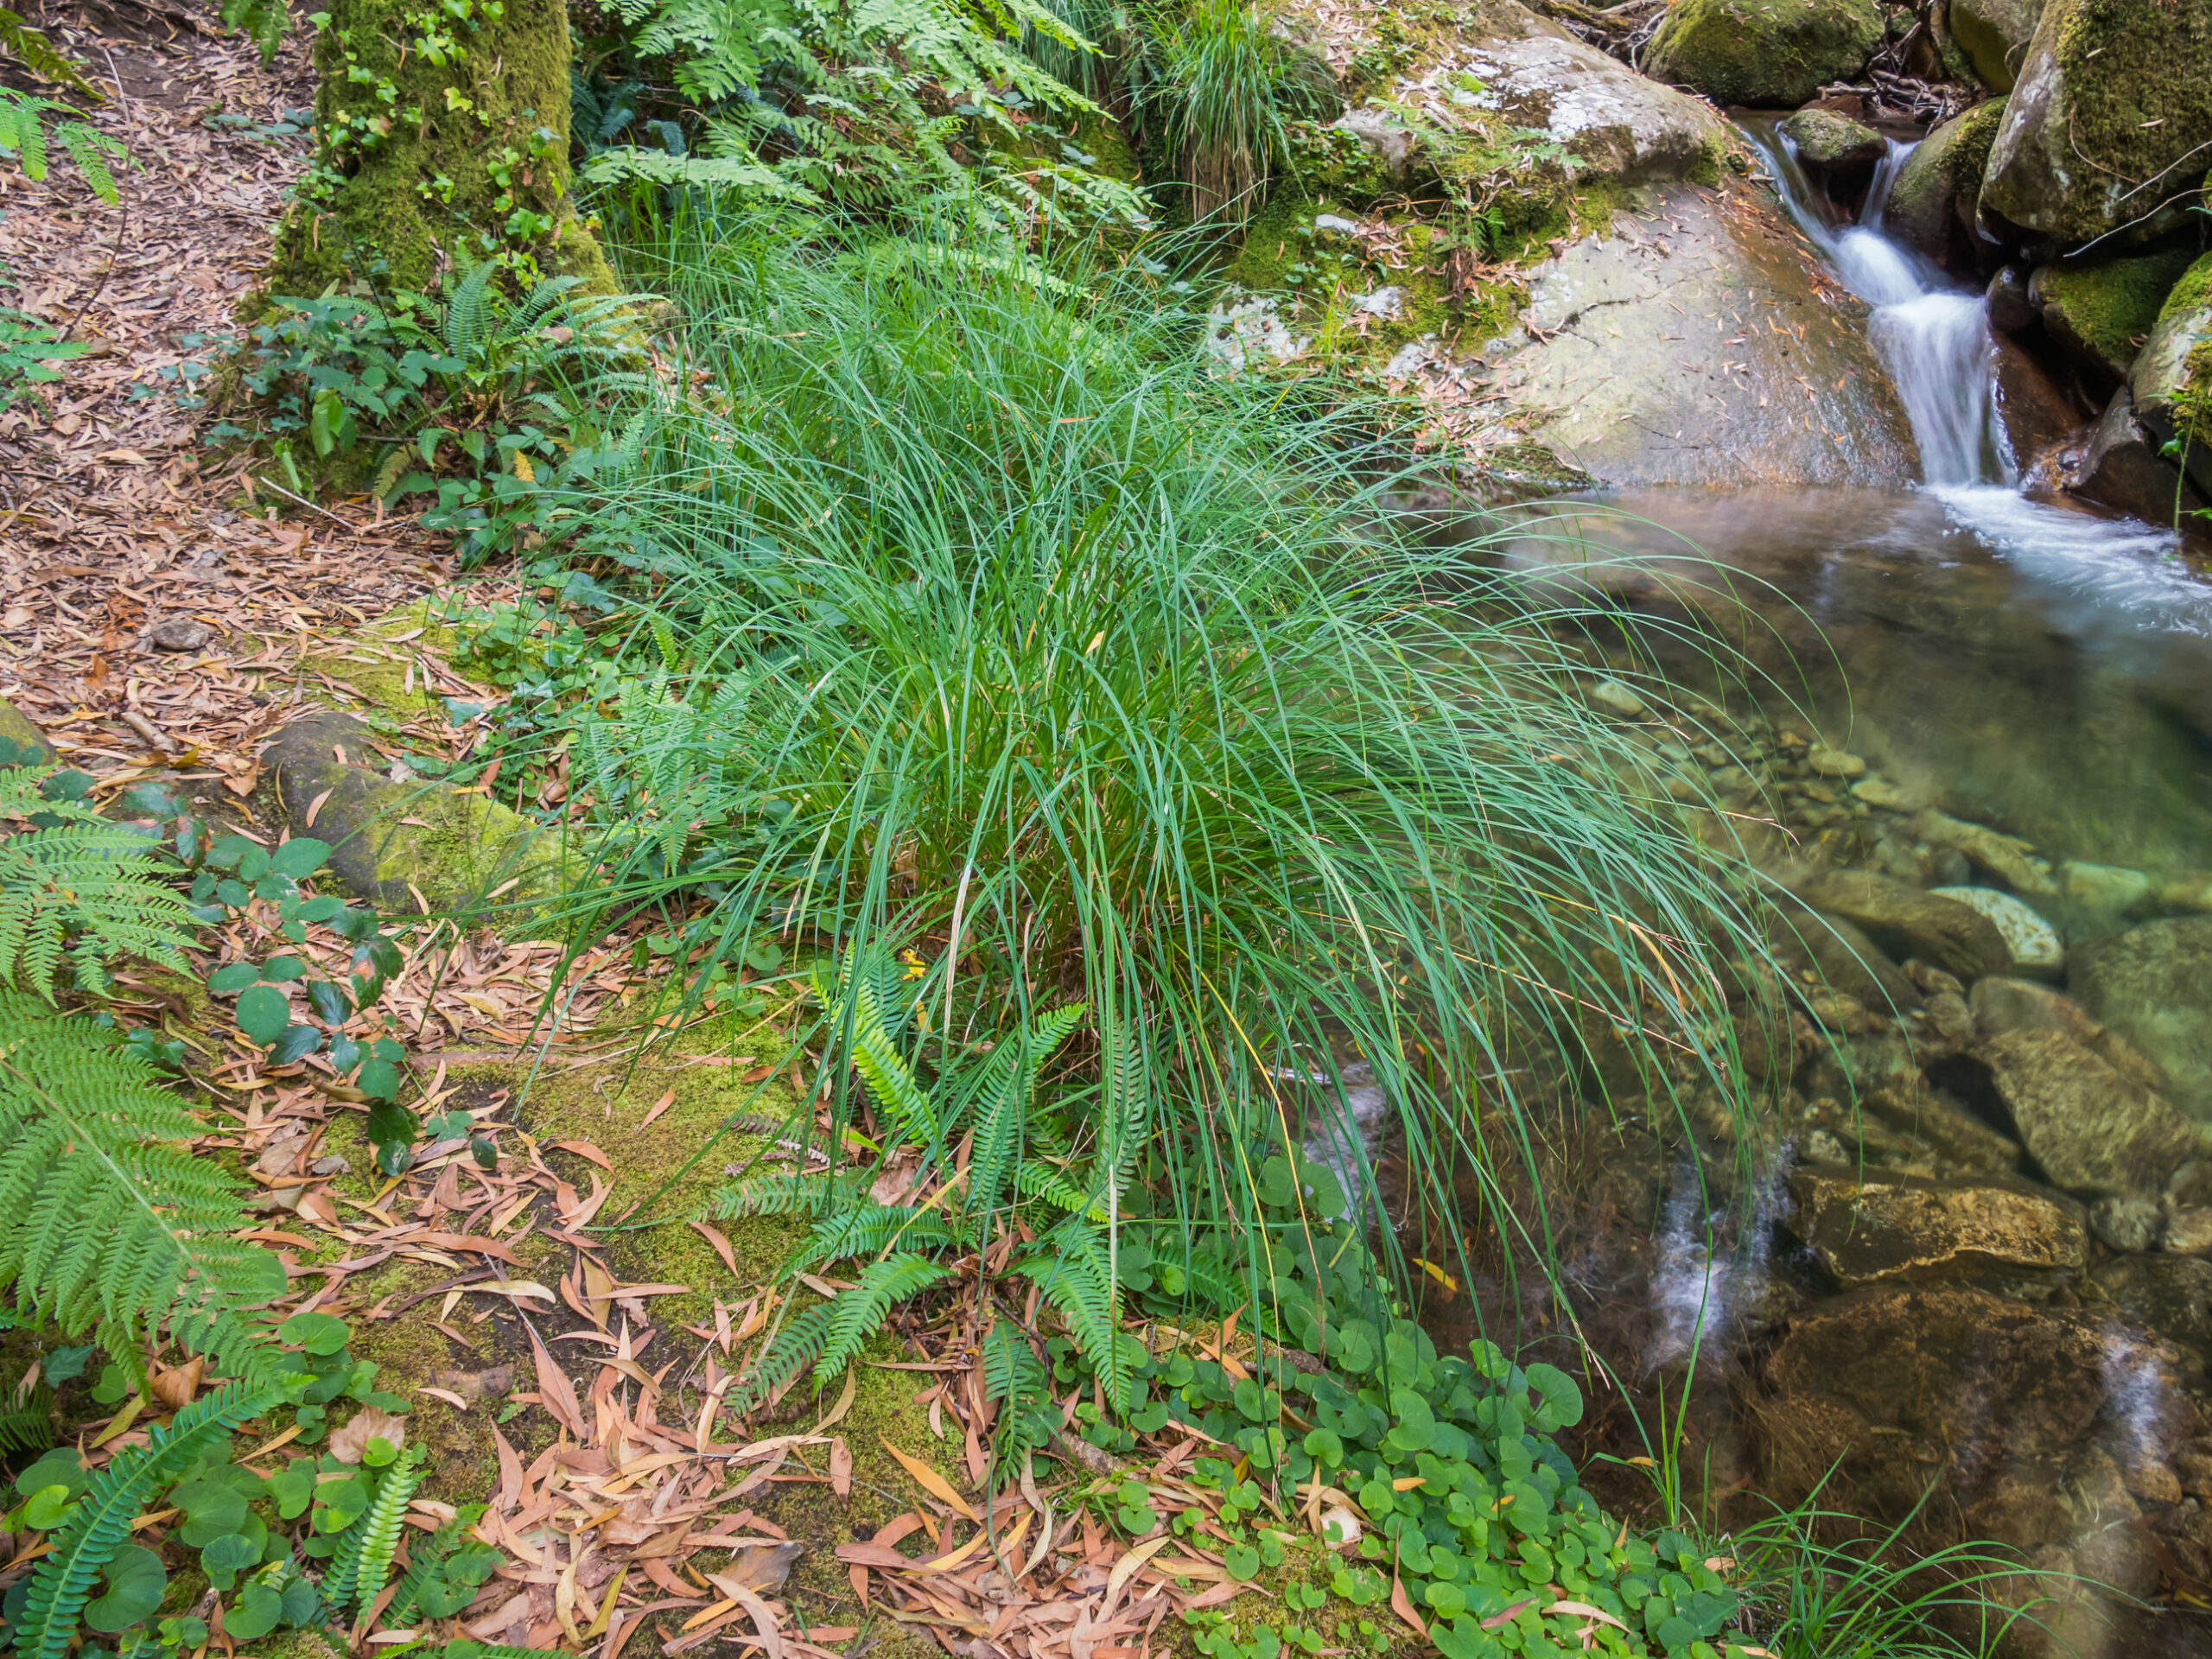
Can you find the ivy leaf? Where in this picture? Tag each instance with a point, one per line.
(301, 856)
(224, 1558)
(1241, 1563)
(223, 982)
(294, 1043)
(62, 1467)
(257, 1612)
(263, 1012)
(292, 1487)
(135, 1585)
(319, 1333)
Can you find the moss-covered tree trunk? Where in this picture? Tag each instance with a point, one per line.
(441, 138)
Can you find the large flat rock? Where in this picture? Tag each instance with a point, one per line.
(1701, 343)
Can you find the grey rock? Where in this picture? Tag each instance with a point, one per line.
(1935, 191)
(179, 633)
(2003, 1004)
(1907, 922)
(1383, 303)
(2078, 74)
(2010, 308)
(1775, 55)
(2091, 1129)
(2012, 860)
(1843, 955)
(1618, 124)
(2034, 943)
(2160, 372)
(23, 743)
(1611, 697)
(2127, 1223)
(1634, 325)
(2153, 986)
(1834, 145)
(1336, 223)
(384, 837)
(1392, 142)
(2105, 890)
(2189, 1231)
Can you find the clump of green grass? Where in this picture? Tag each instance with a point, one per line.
(990, 624)
(1223, 84)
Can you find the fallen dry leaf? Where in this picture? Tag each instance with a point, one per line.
(349, 1442)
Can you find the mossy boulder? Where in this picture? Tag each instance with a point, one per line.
(2112, 94)
(1768, 54)
(2103, 313)
(1834, 145)
(21, 743)
(1937, 187)
(2171, 379)
(455, 848)
(1993, 36)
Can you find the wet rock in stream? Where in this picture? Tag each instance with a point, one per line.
(2090, 1129)
(1863, 1227)
(2152, 985)
(1909, 922)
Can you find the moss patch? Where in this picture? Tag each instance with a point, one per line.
(2106, 311)
(1773, 53)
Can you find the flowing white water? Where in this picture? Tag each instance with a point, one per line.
(1934, 338)
(1931, 336)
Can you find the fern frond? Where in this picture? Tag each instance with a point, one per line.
(380, 1530)
(1069, 1267)
(999, 1100)
(795, 1346)
(855, 1314)
(37, 54)
(470, 320)
(106, 1217)
(1037, 1180)
(858, 993)
(1016, 1380)
(83, 885)
(853, 1233)
(788, 1193)
(100, 1523)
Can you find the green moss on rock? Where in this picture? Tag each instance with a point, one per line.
(2104, 312)
(21, 743)
(1994, 35)
(2113, 93)
(1938, 183)
(1768, 54)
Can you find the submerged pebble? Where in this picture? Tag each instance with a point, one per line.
(2033, 942)
(1835, 763)
(1611, 697)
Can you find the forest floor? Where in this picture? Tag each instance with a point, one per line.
(159, 623)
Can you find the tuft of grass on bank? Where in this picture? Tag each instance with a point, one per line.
(985, 621)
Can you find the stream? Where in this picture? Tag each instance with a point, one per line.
(1991, 697)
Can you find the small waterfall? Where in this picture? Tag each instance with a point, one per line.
(1933, 337)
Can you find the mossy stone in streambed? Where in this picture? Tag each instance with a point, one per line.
(1994, 35)
(2172, 374)
(1767, 53)
(1937, 187)
(2111, 94)
(1835, 143)
(2103, 313)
